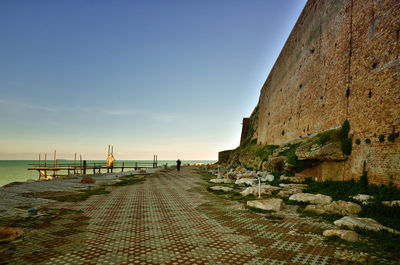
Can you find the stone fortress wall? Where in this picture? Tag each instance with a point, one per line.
(341, 61)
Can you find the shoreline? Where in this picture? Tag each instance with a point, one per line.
(14, 203)
(16, 170)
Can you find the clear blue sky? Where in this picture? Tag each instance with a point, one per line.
(173, 78)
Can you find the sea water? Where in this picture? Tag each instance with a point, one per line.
(17, 170)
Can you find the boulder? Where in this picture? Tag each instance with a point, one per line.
(285, 193)
(298, 178)
(336, 207)
(254, 191)
(347, 235)
(231, 175)
(8, 234)
(364, 198)
(311, 198)
(226, 181)
(248, 174)
(88, 180)
(364, 223)
(391, 203)
(265, 190)
(247, 181)
(293, 186)
(269, 187)
(268, 204)
(240, 168)
(221, 188)
(265, 176)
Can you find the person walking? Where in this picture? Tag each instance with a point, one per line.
(178, 164)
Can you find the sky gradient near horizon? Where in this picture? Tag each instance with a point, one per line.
(173, 78)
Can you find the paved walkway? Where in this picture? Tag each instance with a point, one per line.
(168, 219)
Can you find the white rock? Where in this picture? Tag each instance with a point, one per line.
(285, 193)
(362, 197)
(270, 187)
(292, 185)
(336, 207)
(269, 204)
(292, 179)
(347, 235)
(221, 188)
(265, 190)
(247, 181)
(391, 203)
(254, 191)
(311, 198)
(267, 177)
(226, 181)
(364, 223)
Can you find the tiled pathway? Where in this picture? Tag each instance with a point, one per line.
(168, 219)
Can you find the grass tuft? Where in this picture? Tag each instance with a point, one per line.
(81, 196)
(128, 181)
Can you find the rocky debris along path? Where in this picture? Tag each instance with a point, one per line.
(12, 198)
(170, 218)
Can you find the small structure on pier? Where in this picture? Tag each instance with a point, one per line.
(110, 157)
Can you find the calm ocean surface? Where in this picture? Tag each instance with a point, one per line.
(16, 170)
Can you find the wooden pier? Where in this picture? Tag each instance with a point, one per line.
(58, 168)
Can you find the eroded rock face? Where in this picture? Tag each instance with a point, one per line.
(347, 235)
(226, 181)
(268, 204)
(311, 198)
(329, 152)
(248, 181)
(8, 234)
(221, 188)
(336, 207)
(277, 163)
(364, 223)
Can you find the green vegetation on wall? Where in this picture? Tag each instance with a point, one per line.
(266, 151)
(328, 136)
(290, 153)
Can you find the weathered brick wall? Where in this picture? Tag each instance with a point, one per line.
(339, 46)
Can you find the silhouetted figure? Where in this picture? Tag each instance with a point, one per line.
(178, 164)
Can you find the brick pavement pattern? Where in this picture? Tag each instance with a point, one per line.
(168, 219)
